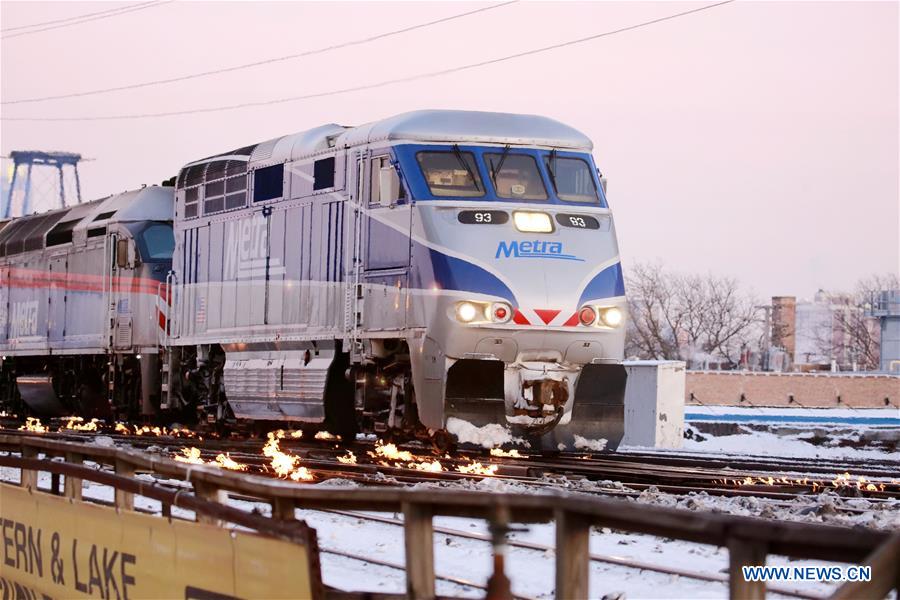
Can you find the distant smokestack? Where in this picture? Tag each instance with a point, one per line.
(784, 323)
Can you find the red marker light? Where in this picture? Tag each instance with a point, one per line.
(500, 313)
(587, 316)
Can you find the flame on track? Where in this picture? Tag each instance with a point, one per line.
(476, 468)
(404, 459)
(506, 453)
(283, 464)
(155, 431)
(33, 425)
(192, 456)
(324, 435)
(843, 480)
(78, 424)
(350, 459)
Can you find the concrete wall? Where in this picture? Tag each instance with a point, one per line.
(812, 390)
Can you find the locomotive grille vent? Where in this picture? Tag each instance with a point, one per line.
(264, 150)
(123, 333)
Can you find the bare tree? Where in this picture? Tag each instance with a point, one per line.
(687, 317)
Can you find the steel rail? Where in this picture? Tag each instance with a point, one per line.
(636, 475)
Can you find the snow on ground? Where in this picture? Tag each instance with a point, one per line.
(763, 443)
(810, 433)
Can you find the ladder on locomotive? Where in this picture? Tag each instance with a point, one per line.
(353, 300)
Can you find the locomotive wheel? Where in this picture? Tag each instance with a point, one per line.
(443, 442)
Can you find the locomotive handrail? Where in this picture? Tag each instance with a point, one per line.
(748, 539)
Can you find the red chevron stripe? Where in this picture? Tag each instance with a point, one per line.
(519, 318)
(546, 314)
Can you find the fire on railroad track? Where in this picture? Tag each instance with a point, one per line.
(300, 457)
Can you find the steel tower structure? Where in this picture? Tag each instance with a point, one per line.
(27, 160)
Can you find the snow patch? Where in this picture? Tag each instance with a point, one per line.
(491, 435)
(595, 445)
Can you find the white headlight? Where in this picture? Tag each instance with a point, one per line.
(611, 316)
(533, 222)
(466, 312)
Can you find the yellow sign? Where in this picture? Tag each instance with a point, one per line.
(52, 547)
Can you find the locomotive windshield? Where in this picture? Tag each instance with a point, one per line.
(155, 241)
(572, 178)
(516, 176)
(451, 173)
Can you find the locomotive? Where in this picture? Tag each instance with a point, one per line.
(454, 275)
(82, 310)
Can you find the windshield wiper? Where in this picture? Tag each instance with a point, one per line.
(551, 168)
(465, 165)
(499, 165)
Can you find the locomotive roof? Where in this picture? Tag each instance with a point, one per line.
(453, 126)
(153, 203)
(470, 126)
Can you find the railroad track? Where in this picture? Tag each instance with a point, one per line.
(635, 471)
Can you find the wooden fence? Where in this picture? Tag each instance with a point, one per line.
(749, 540)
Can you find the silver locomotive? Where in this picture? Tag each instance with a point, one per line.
(445, 272)
(82, 306)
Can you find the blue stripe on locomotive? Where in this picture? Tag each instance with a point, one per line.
(431, 268)
(608, 283)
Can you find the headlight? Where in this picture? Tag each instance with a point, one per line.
(533, 222)
(466, 312)
(471, 311)
(611, 316)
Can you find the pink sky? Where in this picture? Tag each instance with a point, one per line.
(757, 139)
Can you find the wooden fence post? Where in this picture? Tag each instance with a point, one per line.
(73, 484)
(573, 534)
(743, 553)
(211, 493)
(27, 477)
(283, 508)
(124, 500)
(498, 587)
(419, 534)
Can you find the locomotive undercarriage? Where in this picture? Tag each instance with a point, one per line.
(110, 387)
(375, 396)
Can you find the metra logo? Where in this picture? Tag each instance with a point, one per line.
(536, 249)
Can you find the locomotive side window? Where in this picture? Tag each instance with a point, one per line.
(268, 183)
(155, 242)
(516, 176)
(374, 180)
(158, 241)
(572, 179)
(451, 173)
(323, 174)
